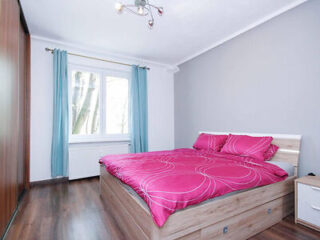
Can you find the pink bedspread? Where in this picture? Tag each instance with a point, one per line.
(172, 180)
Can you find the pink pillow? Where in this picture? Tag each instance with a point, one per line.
(271, 151)
(210, 142)
(247, 146)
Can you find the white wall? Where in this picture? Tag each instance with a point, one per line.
(265, 80)
(160, 102)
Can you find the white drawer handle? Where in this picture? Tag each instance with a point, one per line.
(315, 188)
(315, 208)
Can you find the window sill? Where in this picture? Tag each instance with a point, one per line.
(81, 141)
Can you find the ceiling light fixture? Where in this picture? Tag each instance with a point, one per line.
(140, 8)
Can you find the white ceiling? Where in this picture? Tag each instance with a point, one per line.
(187, 28)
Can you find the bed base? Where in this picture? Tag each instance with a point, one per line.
(237, 217)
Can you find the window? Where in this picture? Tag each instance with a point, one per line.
(98, 104)
(85, 103)
(117, 105)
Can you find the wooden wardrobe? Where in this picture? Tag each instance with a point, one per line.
(14, 109)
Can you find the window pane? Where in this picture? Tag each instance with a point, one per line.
(85, 103)
(117, 91)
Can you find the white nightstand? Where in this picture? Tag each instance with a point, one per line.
(307, 201)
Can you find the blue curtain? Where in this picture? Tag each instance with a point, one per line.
(60, 131)
(139, 110)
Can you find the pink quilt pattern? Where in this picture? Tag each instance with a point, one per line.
(172, 180)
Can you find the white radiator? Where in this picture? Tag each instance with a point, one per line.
(84, 157)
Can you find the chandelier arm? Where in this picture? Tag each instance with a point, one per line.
(129, 5)
(147, 10)
(158, 8)
(132, 11)
(150, 10)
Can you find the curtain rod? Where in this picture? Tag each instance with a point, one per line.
(99, 59)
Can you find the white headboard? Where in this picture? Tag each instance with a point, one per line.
(289, 145)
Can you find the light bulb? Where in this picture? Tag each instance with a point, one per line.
(151, 23)
(118, 6)
(160, 11)
(140, 10)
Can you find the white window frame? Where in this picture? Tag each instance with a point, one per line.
(102, 136)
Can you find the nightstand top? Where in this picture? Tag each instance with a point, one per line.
(309, 180)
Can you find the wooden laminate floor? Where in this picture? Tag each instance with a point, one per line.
(74, 211)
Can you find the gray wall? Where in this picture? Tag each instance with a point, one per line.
(266, 80)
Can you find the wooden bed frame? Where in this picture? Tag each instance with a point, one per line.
(238, 216)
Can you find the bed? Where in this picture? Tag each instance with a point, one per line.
(238, 215)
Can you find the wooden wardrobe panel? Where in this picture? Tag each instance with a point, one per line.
(9, 108)
(22, 111)
(2, 119)
(27, 105)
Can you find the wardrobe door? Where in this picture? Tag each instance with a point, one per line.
(22, 125)
(9, 77)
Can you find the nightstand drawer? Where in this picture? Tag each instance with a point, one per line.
(309, 193)
(309, 204)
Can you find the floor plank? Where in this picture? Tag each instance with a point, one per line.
(74, 211)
